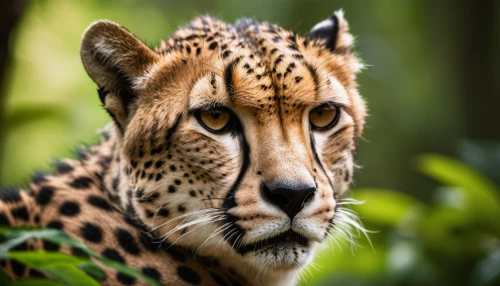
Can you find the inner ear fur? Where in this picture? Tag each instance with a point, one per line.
(114, 58)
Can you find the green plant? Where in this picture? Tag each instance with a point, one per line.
(64, 269)
(454, 240)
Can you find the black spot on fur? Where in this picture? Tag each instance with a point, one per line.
(218, 279)
(4, 220)
(150, 214)
(21, 247)
(188, 275)
(133, 163)
(163, 212)
(69, 209)
(33, 273)
(44, 195)
(55, 224)
(139, 193)
(148, 164)
(78, 252)
(147, 242)
(115, 183)
(81, 154)
(112, 255)
(158, 177)
(125, 279)
(159, 164)
(50, 246)
(213, 46)
(81, 183)
(127, 241)
(175, 253)
(151, 272)
(91, 232)
(39, 177)
(63, 168)
(17, 267)
(10, 195)
(99, 202)
(172, 189)
(20, 213)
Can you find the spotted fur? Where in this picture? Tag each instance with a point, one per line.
(185, 206)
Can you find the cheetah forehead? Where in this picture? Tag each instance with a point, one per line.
(250, 62)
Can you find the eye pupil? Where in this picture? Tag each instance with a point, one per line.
(215, 120)
(324, 117)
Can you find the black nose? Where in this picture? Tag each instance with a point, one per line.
(289, 198)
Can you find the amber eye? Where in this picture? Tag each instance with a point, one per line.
(324, 117)
(215, 120)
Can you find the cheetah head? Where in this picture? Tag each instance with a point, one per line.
(236, 141)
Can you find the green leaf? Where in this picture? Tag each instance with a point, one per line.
(14, 236)
(35, 282)
(487, 271)
(68, 274)
(384, 207)
(27, 114)
(58, 265)
(482, 195)
(37, 259)
(93, 269)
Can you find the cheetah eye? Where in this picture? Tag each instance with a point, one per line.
(324, 117)
(215, 120)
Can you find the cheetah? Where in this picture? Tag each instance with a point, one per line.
(226, 161)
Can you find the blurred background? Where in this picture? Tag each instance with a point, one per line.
(429, 160)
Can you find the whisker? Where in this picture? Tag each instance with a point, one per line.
(217, 231)
(348, 225)
(186, 215)
(205, 224)
(190, 223)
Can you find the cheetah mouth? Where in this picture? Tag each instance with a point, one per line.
(288, 238)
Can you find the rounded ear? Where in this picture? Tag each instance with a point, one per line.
(115, 59)
(333, 32)
(107, 49)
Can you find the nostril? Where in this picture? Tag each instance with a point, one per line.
(290, 199)
(278, 199)
(309, 197)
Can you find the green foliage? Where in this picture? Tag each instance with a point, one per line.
(64, 269)
(421, 243)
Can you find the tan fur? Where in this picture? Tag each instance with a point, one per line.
(156, 164)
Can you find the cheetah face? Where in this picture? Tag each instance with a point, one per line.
(237, 141)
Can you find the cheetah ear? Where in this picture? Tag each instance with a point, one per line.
(115, 59)
(333, 32)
